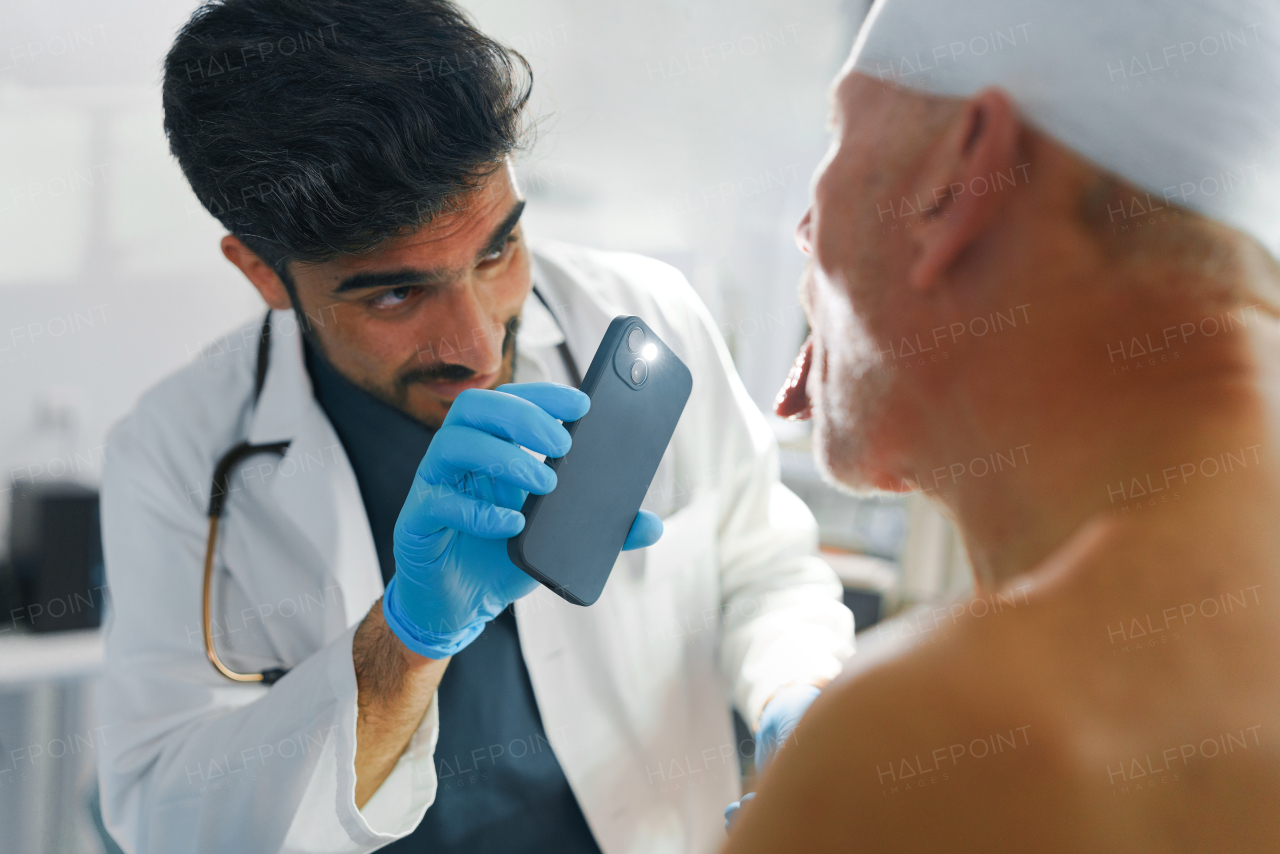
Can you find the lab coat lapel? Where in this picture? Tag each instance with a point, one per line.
(314, 484)
(580, 321)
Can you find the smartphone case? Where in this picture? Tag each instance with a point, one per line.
(572, 535)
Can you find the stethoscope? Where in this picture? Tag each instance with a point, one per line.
(222, 474)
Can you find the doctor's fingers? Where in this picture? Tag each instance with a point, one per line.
(511, 417)
(457, 450)
(646, 529)
(562, 401)
(451, 508)
(731, 812)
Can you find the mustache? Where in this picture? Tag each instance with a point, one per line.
(447, 372)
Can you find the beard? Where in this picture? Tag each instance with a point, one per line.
(849, 388)
(397, 390)
(458, 373)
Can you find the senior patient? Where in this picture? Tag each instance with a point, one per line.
(1104, 174)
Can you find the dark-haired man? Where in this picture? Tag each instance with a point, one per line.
(360, 166)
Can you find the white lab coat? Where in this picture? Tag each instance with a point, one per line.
(634, 691)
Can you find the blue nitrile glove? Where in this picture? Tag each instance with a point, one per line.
(452, 570)
(777, 721)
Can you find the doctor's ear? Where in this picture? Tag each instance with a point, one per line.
(258, 272)
(966, 178)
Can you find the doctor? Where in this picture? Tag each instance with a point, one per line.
(382, 672)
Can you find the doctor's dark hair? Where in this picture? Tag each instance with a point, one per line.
(318, 128)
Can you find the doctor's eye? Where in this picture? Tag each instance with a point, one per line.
(391, 298)
(497, 254)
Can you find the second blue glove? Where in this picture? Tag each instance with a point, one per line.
(777, 721)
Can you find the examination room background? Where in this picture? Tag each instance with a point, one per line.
(682, 129)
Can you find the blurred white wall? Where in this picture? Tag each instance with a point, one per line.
(687, 130)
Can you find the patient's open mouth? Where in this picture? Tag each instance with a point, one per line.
(792, 401)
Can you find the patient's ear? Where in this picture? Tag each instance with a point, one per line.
(966, 177)
(257, 271)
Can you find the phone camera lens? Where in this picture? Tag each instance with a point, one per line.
(639, 371)
(635, 339)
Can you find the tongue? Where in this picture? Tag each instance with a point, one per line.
(792, 402)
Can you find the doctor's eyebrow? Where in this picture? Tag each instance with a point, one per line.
(502, 232)
(393, 279)
(434, 277)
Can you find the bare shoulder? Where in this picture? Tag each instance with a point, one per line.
(1004, 727)
(943, 745)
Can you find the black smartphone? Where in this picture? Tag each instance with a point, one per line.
(573, 535)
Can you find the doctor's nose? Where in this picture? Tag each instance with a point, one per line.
(466, 327)
(802, 233)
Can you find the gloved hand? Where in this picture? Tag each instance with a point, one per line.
(731, 811)
(452, 570)
(779, 718)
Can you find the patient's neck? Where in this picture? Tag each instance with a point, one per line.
(1090, 443)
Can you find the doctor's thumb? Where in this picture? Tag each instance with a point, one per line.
(645, 531)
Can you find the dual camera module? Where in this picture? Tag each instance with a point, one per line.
(644, 352)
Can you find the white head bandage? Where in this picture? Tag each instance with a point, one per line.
(1178, 97)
